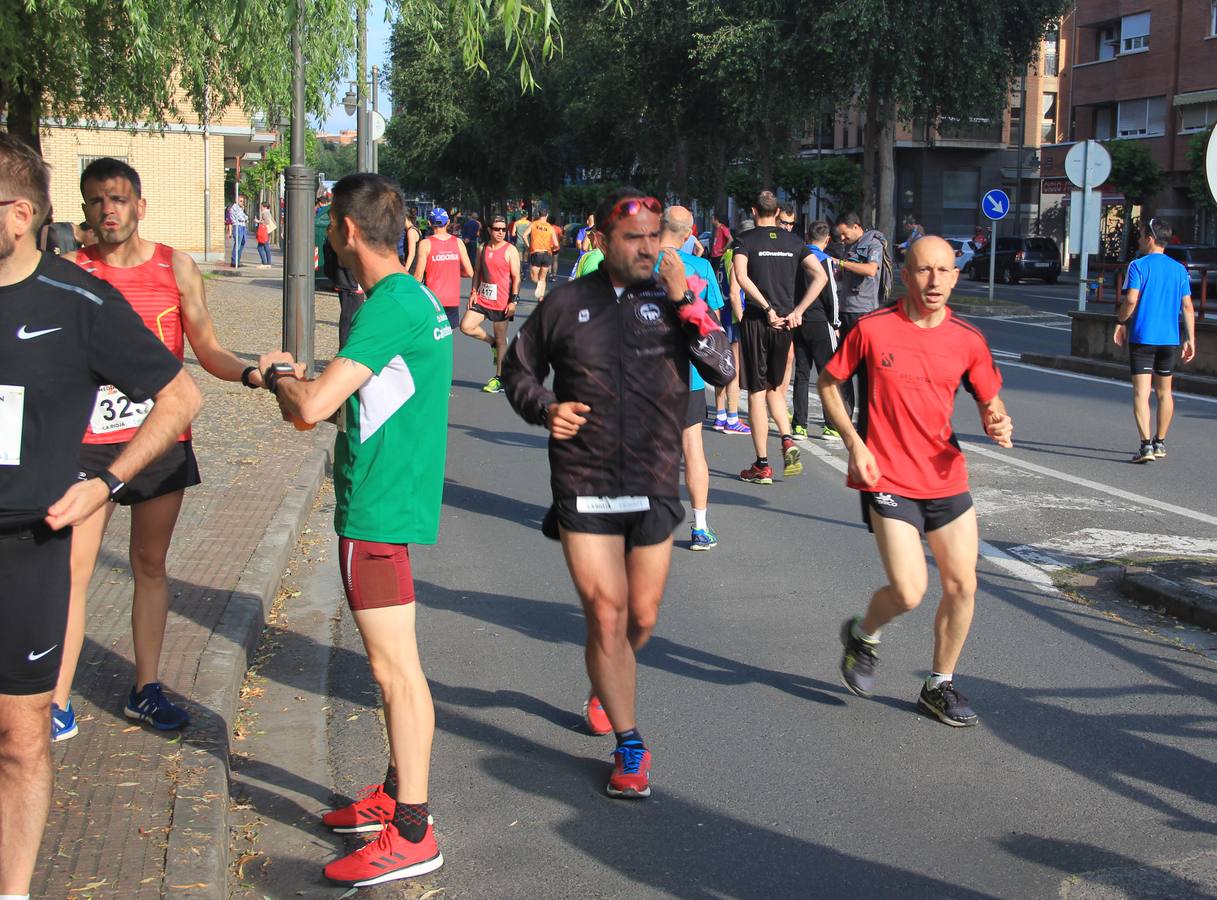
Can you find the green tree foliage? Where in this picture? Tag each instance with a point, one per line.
(841, 178)
(334, 161)
(1134, 170)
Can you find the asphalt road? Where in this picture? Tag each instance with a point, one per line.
(1093, 772)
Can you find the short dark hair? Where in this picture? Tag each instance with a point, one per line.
(849, 219)
(819, 230)
(789, 209)
(766, 203)
(604, 211)
(24, 174)
(1158, 229)
(106, 167)
(374, 203)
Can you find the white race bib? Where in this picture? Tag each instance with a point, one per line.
(612, 504)
(115, 411)
(489, 291)
(12, 418)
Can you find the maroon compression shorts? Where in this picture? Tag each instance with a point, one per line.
(375, 575)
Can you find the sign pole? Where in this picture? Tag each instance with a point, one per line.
(992, 257)
(1083, 248)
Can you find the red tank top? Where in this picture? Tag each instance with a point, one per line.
(443, 272)
(495, 289)
(152, 291)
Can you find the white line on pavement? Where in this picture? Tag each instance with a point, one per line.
(1095, 378)
(1013, 321)
(1093, 485)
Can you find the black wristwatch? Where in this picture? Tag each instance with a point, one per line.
(271, 376)
(688, 298)
(113, 482)
(245, 377)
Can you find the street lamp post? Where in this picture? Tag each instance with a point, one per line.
(301, 192)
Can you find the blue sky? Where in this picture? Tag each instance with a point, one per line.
(378, 54)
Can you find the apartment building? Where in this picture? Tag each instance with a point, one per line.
(1141, 70)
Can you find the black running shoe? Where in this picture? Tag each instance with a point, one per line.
(1159, 449)
(947, 704)
(1144, 454)
(858, 661)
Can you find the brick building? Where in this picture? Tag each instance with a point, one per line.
(1143, 70)
(182, 168)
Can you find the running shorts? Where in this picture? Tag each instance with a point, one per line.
(36, 566)
(492, 315)
(454, 316)
(1159, 359)
(763, 354)
(375, 575)
(176, 470)
(639, 527)
(696, 414)
(924, 515)
(541, 260)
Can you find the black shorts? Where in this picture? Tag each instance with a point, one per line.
(924, 515)
(36, 566)
(1158, 359)
(176, 470)
(763, 354)
(492, 315)
(643, 528)
(696, 414)
(454, 316)
(541, 260)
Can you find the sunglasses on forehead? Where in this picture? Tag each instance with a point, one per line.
(632, 206)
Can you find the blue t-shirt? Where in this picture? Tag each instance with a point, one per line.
(1163, 284)
(470, 230)
(701, 280)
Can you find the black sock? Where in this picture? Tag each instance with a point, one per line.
(390, 783)
(762, 461)
(410, 820)
(631, 735)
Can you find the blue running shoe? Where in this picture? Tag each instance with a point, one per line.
(152, 706)
(703, 539)
(63, 722)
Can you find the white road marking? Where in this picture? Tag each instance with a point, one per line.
(1104, 543)
(1013, 321)
(1178, 395)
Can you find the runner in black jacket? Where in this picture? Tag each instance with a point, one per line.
(619, 342)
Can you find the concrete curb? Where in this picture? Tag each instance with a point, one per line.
(1188, 384)
(196, 860)
(1179, 601)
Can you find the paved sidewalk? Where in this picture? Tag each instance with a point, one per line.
(128, 798)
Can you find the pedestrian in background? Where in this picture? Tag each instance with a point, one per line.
(240, 229)
(266, 227)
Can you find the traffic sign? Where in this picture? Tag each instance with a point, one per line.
(1088, 164)
(995, 205)
(378, 125)
(1210, 164)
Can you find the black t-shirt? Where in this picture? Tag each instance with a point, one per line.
(63, 333)
(774, 256)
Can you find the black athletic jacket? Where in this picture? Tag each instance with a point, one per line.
(628, 359)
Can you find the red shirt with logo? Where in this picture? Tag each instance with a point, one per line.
(912, 375)
(442, 273)
(151, 289)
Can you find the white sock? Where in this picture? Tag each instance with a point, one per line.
(856, 630)
(937, 678)
(14, 897)
(720, 415)
(699, 519)
(732, 418)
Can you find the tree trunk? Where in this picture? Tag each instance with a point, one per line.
(887, 169)
(870, 134)
(25, 112)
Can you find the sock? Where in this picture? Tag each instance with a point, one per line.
(937, 678)
(1147, 443)
(631, 735)
(856, 630)
(720, 416)
(732, 418)
(410, 819)
(1159, 442)
(390, 782)
(699, 519)
(14, 897)
(762, 462)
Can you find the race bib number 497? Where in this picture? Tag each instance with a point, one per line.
(115, 411)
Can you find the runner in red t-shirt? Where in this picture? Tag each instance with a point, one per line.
(441, 263)
(493, 296)
(905, 460)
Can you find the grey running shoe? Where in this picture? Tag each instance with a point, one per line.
(1145, 454)
(858, 661)
(947, 704)
(1159, 449)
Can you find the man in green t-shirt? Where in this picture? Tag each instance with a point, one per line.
(388, 388)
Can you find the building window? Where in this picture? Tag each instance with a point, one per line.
(1109, 42)
(1197, 116)
(1213, 19)
(1104, 123)
(960, 189)
(1052, 47)
(1141, 118)
(1048, 117)
(1134, 33)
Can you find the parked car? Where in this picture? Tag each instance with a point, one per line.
(1018, 258)
(1197, 258)
(964, 251)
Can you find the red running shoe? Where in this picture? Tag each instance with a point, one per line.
(757, 474)
(596, 718)
(371, 811)
(631, 771)
(387, 858)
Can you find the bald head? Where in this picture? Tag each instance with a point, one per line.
(929, 274)
(677, 222)
(929, 250)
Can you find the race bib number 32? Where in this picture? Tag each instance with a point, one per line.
(115, 411)
(12, 418)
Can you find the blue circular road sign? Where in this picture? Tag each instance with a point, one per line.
(995, 204)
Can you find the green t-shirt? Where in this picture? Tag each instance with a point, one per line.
(589, 262)
(393, 431)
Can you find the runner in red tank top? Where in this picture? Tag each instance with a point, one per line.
(906, 462)
(496, 288)
(166, 288)
(442, 262)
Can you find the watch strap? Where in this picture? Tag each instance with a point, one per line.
(112, 481)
